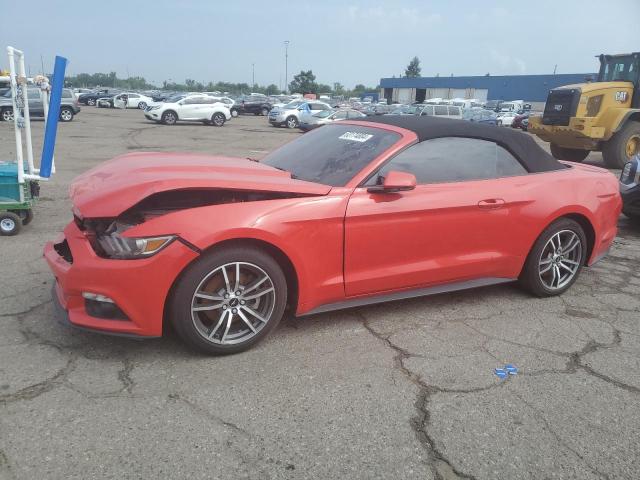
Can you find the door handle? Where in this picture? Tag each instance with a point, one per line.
(491, 203)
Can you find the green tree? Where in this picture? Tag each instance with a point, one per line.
(321, 88)
(338, 88)
(413, 69)
(272, 89)
(304, 82)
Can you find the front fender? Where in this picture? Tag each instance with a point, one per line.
(309, 231)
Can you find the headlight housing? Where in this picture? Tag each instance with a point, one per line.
(125, 248)
(593, 105)
(631, 172)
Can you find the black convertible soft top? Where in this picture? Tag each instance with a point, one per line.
(523, 146)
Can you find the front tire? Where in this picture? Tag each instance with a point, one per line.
(218, 119)
(622, 146)
(169, 118)
(228, 300)
(91, 102)
(10, 224)
(570, 154)
(142, 105)
(556, 259)
(292, 122)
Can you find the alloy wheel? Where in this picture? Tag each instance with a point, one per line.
(7, 115)
(560, 259)
(233, 303)
(66, 115)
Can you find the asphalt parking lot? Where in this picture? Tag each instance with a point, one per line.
(395, 391)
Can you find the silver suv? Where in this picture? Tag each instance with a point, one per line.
(293, 113)
(68, 106)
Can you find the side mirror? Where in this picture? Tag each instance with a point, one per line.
(394, 182)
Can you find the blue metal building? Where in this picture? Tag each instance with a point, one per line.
(531, 88)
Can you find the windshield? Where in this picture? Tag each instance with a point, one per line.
(175, 98)
(331, 155)
(292, 105)
(616, 69)
(323, 113)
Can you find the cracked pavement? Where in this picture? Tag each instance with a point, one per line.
(399, 390)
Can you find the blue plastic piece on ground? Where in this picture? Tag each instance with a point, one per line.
(511, 369)
(49, 144)
(501, 373)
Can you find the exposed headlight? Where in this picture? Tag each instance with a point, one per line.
(593, 105)
(631, 171)
(153, 107)
(119, 247)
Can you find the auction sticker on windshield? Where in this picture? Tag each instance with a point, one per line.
(355, 136)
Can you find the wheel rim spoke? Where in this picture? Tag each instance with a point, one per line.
(207, 307)
(254, 313)
(226, 330)
(246, 320)
(259, 294)
(205, 296)
(220, 320)
(255, 285)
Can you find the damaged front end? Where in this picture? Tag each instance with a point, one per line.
(106, 235)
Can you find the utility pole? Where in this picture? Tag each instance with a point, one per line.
(286, 66)
(42, 64)
(554, 68)
(253, 76)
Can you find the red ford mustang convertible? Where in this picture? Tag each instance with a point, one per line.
(350, 214)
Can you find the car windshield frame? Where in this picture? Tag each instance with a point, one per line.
(334, 154)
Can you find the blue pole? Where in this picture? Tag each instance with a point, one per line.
(52, 118)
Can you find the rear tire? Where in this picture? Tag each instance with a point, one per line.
(545, 260)
(622, 146)
(265, 112)
(142, 105)
(214, 275)
(91, 102)
(7, 114)
(10, 224)
(218, 119)
(28, 217)
(66, 114)
(234, 113)
(570, 154)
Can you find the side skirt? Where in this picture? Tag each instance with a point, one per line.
(420, 292)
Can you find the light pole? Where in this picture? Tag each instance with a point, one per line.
(253, 75)
(286, 66)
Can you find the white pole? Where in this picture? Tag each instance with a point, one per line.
(27, 118)
(14, 88)
(44, 95)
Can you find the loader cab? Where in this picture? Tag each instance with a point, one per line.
(622, 68)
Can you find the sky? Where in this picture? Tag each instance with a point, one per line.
(346, 41)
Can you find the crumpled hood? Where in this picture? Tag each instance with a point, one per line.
(116, 185)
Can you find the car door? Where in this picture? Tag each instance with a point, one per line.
(36, 107)
(133, 100)
(189, 108)
(458, 223)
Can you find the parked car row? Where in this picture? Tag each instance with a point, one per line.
(68, 106)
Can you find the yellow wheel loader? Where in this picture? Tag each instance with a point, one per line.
(595, 116)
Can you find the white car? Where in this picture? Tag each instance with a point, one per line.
(229, 102)
(506, 118)
(191, 108)
(294, 112)
(133, 100)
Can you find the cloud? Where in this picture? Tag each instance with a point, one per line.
(506, 63)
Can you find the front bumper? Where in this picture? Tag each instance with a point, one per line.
(630, 199)
(138, 287)
(580, 133)
(151, 115)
